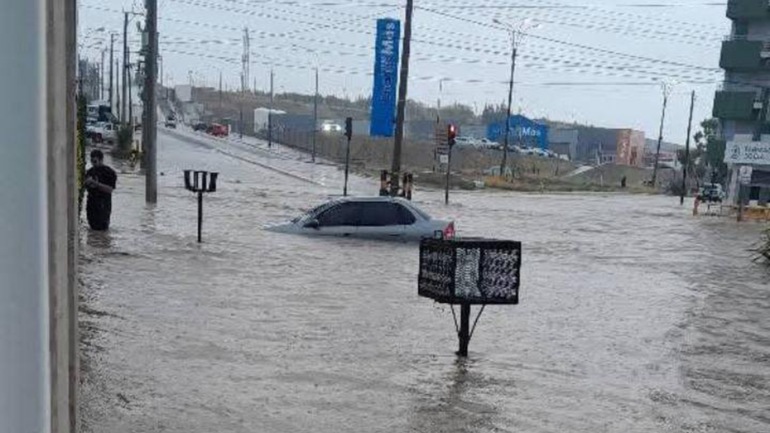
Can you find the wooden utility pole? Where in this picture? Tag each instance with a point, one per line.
(270, 114)
(112, 49)
(687, 151)
(401, 107)
(123, 98)
(150, 121)
(660, 135)
(315, 115)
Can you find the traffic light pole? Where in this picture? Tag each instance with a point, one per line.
(448, 171)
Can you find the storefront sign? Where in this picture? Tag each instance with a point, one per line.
(385, 77)
(749, 152)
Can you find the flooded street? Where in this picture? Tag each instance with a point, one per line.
(634, 316)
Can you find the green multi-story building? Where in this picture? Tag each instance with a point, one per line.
(745, 59)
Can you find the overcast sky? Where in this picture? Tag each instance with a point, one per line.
(591, 61)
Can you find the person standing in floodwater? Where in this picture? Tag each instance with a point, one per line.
(100, 182)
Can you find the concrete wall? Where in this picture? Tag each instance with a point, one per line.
(38, 357)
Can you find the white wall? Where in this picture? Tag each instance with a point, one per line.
(24, 337)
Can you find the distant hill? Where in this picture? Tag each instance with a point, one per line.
(665, 146)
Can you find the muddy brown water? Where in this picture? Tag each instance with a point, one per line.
(634, 316)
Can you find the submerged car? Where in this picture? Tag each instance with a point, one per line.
(374, 217)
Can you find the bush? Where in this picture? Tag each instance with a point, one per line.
(125, 137)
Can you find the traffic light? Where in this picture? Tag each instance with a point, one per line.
(451, 134)
(349, 127)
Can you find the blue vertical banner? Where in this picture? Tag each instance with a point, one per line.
(385, 77)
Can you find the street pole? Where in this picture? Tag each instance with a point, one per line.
(130, 102)
(101, 77)
(347, 168)
(270, 114)
(401, 108)
(660, 135)
(112, 48)
(123, 98)
(315, 115)
(504, 162)
(687, 151)
(448, 171)
(117, 93)
(150, 123)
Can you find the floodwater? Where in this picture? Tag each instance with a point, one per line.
(634, 316)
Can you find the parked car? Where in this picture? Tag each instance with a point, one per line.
(368, 217)
(101, 132)
(170, 122)
(485, 143)
(200, 126)
(217, 130)
(711, 192)
(465, 141)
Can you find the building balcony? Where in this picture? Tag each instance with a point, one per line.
(744, 55)
(729, 105)
(748, 9)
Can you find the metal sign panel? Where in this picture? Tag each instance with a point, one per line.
(442, 139)
(385, 77)
(744, 174)
(747, 152)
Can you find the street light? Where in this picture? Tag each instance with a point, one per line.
(315, 98)
(517, 33)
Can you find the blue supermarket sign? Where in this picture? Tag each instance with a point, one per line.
(524, 132)
(385, 77)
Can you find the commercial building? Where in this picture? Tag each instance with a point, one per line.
(593, 145)
(739, 104)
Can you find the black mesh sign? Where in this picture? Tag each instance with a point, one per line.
(470, 271)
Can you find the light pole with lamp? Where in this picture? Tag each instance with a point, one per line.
(517, 35)
(315, 99)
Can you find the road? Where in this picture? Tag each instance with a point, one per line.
(635, 317)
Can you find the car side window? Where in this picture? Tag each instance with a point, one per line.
(379, 214)
(405, 216)
(344, 214)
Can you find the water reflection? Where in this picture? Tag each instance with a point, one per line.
(452, 404)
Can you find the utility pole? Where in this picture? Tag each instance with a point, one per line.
(240, 107)
(130, 101)
(220, 92)
(666, 91)
(270, 114)
(315, 115)
(150, 123)
(687, 151)
(112, 47)
(401, 108)
(504, 162)
(101, 77)
(123, 98)
(117, 83)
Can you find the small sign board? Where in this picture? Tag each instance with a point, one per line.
(747, 152)
(744, 174)
(442, 139)
(443, 159)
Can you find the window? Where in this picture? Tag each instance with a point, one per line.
(379, 214)
(344, 214)
(405, 216)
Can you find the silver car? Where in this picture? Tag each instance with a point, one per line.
(374, 217)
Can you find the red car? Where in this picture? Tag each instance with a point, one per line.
(218, 130)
